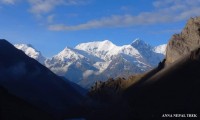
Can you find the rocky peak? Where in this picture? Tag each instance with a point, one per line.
(185, 42)
(140, 44)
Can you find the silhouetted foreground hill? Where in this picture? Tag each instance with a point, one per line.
(13, 108)
(30, 81)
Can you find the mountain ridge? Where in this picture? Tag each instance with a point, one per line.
(91, 61)
(184, 42)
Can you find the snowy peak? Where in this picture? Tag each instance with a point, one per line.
(147, 52)
(129, 50)
(105, 45)
(137, 40)
(31, 52)
(60, 62)
(140, 44)
(102, 49)
(160, 49)
(69, 53)
(106, 42)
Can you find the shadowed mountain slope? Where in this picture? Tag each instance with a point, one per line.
(27, 79)
(174, 89)
(13, 108)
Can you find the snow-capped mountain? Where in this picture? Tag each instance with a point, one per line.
(31, 52)
(147, 52)
(100, 60)
(71, 64)
(160, 49)
(106, 50)
(102, 49)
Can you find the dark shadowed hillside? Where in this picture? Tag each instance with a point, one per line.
(174, 89)
(13, 108)
(30, 81)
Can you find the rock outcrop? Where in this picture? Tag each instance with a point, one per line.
(185, 42)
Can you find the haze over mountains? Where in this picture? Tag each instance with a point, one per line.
(99, 60)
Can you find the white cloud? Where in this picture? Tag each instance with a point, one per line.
(50, 18)
(39, 7)
(43, 6)
(12, 2)
(165, 11)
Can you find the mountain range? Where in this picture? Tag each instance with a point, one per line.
(30, 91)
(99, 60)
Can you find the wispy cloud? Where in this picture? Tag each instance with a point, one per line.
(12, 2)
(39, 7)
(164, 11)
(44, 9)
(50, 18)
(43, 6)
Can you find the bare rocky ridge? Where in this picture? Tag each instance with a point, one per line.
(185, 42)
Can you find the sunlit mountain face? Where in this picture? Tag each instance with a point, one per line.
(100, 60)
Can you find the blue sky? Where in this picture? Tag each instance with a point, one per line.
(51, 25)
